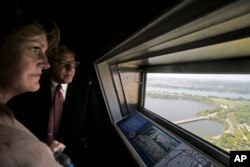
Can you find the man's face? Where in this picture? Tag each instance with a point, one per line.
(63, 68)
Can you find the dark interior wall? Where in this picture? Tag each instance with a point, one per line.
(95, 27)
(111, 22)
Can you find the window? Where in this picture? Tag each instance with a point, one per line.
(214, 107)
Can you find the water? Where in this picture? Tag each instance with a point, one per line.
(231, 95)
(175, 110)
(233, 86)
(200, 128)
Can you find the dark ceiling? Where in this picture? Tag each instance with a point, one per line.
(95, 27)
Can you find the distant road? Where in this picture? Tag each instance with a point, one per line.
(191, 119)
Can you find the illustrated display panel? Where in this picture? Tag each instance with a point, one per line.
(158, 148)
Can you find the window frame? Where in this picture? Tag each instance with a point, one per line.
(228, 66)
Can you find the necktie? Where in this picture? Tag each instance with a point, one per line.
(55, 115)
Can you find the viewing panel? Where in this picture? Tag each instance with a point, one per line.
(158, 147)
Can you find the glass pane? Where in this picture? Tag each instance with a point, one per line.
(215, 107)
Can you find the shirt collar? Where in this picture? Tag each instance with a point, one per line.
(64, 86)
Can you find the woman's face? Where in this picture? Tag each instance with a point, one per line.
(26, 60)
(32, 60)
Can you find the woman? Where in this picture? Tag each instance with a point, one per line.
(23, 47)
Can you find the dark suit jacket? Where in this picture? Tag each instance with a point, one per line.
(77, 129)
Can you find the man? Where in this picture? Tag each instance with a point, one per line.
(71, 128)
(63, 66)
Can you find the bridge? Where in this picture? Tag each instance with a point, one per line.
(191, 119)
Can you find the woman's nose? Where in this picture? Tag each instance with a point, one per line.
(46, 64)
(44, 61)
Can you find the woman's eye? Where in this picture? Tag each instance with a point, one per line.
(35, 49)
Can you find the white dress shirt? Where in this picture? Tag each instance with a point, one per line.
(53, 87)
